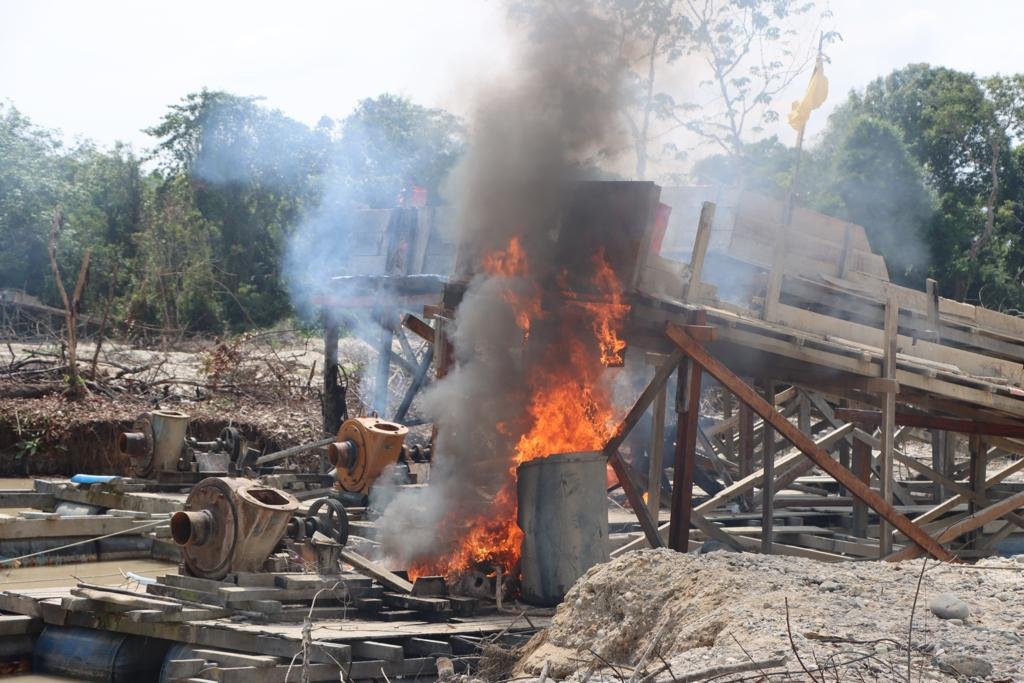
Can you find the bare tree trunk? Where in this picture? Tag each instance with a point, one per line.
(103, 320)
(76, 388)
(963, 284)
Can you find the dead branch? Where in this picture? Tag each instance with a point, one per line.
(103, 320)
(75, 388)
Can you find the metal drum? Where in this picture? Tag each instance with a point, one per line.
(563, 512)
(84, 654)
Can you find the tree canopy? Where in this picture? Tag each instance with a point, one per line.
(192, 238)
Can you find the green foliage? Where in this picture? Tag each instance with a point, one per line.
(876, 183)
(192, 239)
(389, 143)
(929, 161)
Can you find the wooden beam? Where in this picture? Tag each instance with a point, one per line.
(947, 424)
(768, 480)
(975, 521)
(418, 327)
(784, 464)
(976, 478)
(889, 350)
(687, 414)
(656, 464)
(746, 450)
(821, 458)
(624, 473)
(645, 399)
(951, 503)
(700, 250)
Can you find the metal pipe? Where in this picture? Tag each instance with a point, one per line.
(342, 453)
(132, 443)
(191, 528)
(294, 450)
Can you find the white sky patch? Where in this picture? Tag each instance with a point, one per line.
(107, 69)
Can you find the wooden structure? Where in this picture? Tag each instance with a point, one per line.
(733, 294)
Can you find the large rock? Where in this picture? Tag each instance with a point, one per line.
(966, 665)
(948, 606)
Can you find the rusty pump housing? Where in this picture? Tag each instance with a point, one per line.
(231, 524)
(158, 446)
(365, 446)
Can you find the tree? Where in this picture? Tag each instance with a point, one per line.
(253, 173)
(876, 183)
(742, 53)
(389, 142)
(752, 53)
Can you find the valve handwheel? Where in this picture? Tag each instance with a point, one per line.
(332, 521)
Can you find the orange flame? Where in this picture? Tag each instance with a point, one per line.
(512, 263)
(569, 409)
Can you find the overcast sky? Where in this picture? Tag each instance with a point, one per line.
(106, 69)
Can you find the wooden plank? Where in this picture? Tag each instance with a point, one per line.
(656, 465)
(738, 488)
(18, 498)
(124, 603)
(14, 528)
(862, 470)
(643, 401)
(700, 249)
(768, 478)
(889, 349)
(948, 505)
(427, 647)
(624, 473)
(914, 349)
(153, 503)
(236, 658)
(938, 422)
(370, 568)
(767, 412)
(976, 479)
(687, 412)
(746, 450)
(972, 522)
(418, 327)
(19, 625)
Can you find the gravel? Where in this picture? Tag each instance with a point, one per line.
(666, 614)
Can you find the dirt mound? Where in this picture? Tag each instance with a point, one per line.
(666, 615)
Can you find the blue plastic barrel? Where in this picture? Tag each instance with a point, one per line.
(85, 654)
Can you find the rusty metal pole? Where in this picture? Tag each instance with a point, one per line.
(687, 412)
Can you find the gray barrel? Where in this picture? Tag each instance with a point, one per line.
(563, 512)
(85, 654)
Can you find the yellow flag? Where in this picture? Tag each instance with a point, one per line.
(817, 91)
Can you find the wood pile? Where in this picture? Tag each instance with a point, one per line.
(273, 626)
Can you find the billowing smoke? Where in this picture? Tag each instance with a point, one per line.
(545, 124)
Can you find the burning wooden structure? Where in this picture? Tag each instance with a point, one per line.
(848, 367)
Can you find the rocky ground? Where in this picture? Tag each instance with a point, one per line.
(657, 615)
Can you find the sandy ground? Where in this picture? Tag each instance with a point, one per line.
(667, 615)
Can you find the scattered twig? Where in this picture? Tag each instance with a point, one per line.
(910, 626)
(792, 645)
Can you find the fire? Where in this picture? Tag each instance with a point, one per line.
(511, 263)
(569, 407)
(609, 314)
